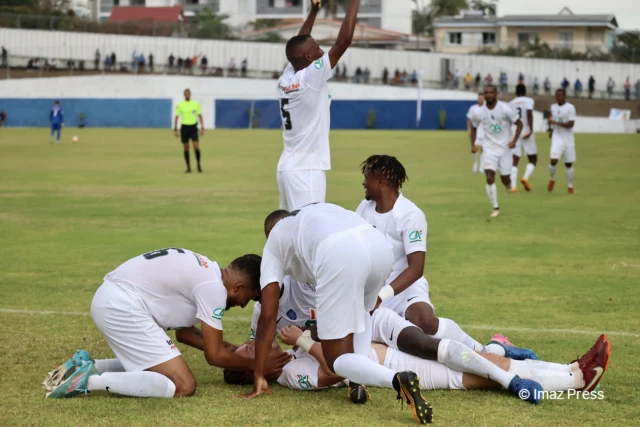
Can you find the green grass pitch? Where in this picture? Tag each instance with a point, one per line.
(551, 272)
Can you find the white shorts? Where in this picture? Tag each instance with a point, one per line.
(497, 162)
(349, 276)
(418, 292)
(133, 335)
(387, 326)
(527, 145)
(562, 149)
(299, 188)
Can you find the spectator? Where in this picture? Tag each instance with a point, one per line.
(36, 64)
(385, 76)
(536, 86)
(521, 78)
(245, 65)
(404, 77)
(187, 66)
(627, 89)
(468, 79)
(231, 68)
(96, 60)
(488, 80)
(478, 80)
(366, 74)
(638, 89)
(577, 88)
(5, 54)
(504, 82)
(142, 61)
(592, 86)
(414, 78)
(151, 62)
(610, 85)
(52, 65)
(456, 78)
(113, 59)
(134, 62)
(204, 64)
(565, 83)
(70, 64)
(180, 64)
(358, 74)
(547, 86)
(107, 62)
(172, 60)
(396, 77)
(344, 72)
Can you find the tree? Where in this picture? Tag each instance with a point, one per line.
(448, 7)
(261, 24)
(488, 8)
(422, 22)
(627, 47)
(212, 26)
(331, 7)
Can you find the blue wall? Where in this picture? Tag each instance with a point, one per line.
(350, 114)
(122, 113)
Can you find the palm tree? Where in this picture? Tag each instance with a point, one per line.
(488, 8)
(448, 7)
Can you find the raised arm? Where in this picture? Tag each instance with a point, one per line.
(345, 36)
(311, 19)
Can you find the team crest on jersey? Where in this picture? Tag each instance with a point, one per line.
(415, 236)
(318, 64)
(292, 314)
(303, 382)
(252, 335)
(218, 313)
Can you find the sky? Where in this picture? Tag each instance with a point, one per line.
(627, 12)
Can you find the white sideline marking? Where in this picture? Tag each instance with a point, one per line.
(497, 329)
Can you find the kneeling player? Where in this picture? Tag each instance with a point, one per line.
(165, 289)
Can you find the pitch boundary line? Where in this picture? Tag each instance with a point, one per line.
(470, 327)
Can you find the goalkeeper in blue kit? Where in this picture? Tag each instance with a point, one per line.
(56, 117)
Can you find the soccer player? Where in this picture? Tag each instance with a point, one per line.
(152, 293)
(304, 103)
(56, 117)
(496, 118)
(524, 105)
(189, 112)
(405, 227)
(348, 261)
(563, 144)
(480, 136)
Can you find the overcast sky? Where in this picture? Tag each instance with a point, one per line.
(627, 12)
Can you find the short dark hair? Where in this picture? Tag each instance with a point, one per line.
(237, 377)
(274, 217)
(294, 44)
(390, 168)
(564, 92)
(495, 88)
(57, 102)
(521, 90)
(250, 266)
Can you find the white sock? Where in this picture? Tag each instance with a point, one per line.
(475, 157)
(529, 170)
(136, 384)
(457, 356)
(449, 329)
(552, 172)
(555, 380)
(530, 365)
(570, 176)
(109, 365)
(362, 370)
(492, 192)
(514, 176)
(362, 341)
(495, 349)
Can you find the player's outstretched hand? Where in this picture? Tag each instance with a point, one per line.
(260, 386)
(290, 334)
(316, 4)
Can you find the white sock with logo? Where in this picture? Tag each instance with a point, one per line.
(135, 384)
(459, 357)
(555, 380)
(492, 192)
(362, 370)
(514, 176)
(448, 329)
(529, 365)
(109, 365)
(552, 172)
(529, 170)
(570, 176)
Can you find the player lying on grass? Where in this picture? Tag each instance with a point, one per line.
(308, 370)
(165, 289)
(348, 261)
(405, 227)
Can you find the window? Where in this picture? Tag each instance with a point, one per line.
(285, 3)
(525, 38)
(565, 39)
(455, 38)
(488, 38)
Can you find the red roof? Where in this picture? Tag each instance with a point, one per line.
(138, 13)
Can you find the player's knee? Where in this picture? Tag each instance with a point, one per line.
(533, 159)
(568, 165)
(554, 162)
(427, 321)
(185, 387)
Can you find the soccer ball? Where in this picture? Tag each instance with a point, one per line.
(74, 139)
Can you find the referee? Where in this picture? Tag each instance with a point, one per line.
(189, 111)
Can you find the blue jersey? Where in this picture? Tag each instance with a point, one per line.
(56, 116)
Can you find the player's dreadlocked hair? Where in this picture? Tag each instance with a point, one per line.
(249, 265)
(390, 168)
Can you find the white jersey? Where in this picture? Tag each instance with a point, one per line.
(297, 307)
(177, 287)
(304, 106)
(496, 124)
(302, 238)
(521, 105)
(404, 226)
(563, 114)
(474, 110)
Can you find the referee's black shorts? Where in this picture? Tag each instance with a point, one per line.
(189, 132)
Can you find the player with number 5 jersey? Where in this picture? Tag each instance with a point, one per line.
(304, 105)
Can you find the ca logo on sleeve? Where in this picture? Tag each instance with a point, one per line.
(218, 313)
(303, 382)
(415, 236)
(319, 64)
